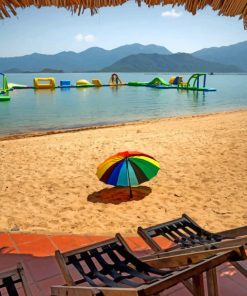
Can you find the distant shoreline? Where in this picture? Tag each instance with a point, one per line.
(31, 134)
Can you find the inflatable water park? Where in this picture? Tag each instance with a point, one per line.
(196, 82)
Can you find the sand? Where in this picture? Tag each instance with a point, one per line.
(48, 183)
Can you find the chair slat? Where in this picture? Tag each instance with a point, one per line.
(183, 231)
(112, 270)
(12, 280)
(10, 286)
(111, 265)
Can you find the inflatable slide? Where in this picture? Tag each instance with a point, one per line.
(157, 81)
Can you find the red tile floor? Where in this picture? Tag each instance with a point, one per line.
(36, 253)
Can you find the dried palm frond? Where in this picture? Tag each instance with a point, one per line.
(224, 7)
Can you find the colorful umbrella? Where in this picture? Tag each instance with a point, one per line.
(128, 168)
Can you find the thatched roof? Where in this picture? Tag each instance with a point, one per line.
(224, 7)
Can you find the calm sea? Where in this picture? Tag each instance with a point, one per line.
(31, 110)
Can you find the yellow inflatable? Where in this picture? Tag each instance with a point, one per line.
(44, 83)
(97, 82)
(172, 78)
(83, 83)
(176, 80)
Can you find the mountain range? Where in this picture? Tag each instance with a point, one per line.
(235, 54)
(92, 59)
(132, 58)
(180, 62)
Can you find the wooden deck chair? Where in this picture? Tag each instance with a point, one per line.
(188, 237)
(107, 268)
(13, 282)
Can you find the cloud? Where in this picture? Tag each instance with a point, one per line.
(86, 38)
(79, 37)
(171, 13)
(89, 38)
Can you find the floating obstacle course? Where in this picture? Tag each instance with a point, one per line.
(175, 82)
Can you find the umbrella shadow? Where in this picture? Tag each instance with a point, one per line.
(117, 195)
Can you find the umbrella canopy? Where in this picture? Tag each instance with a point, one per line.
(224, 7)
(128, 168)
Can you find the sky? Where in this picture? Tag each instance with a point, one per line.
(52, 30)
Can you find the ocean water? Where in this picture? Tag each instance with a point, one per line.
(35, 110)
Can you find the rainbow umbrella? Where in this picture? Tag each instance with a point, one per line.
(128, 168)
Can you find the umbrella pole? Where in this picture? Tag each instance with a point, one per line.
(131, 195)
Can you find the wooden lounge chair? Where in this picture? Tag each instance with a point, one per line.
(108, 268)
(188, 237)
(13, 282)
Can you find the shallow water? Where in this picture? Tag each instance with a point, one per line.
(30, 110)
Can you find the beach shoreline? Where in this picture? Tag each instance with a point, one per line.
(31, 134)
(48, 181)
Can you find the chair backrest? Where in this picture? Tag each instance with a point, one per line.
(13, 282)
(108, 268)
(106, 264)
(183, 232)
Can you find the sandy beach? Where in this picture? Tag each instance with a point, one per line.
(48, 183)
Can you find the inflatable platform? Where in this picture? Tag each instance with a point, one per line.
(44, 83)
(84, 83)
(176, 82)
(157, 81)
(13, 86)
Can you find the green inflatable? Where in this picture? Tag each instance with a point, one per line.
(159, 81)
(192, 84)
(156, 81)
(4, 91)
